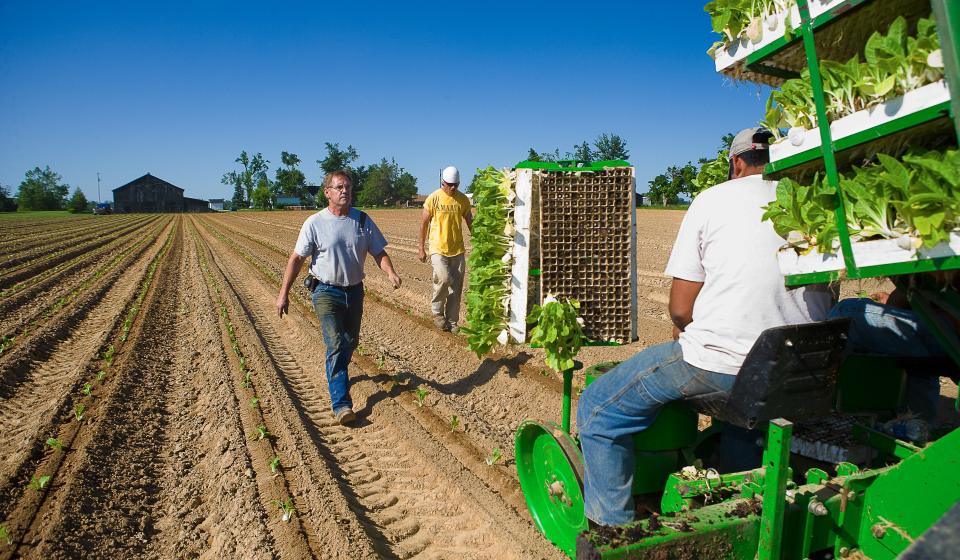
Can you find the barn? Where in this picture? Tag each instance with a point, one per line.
(153, 194)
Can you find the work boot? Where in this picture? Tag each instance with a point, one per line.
(440, 323)
(345, 416)
(454, 328)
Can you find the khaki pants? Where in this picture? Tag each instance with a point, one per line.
(447, 286)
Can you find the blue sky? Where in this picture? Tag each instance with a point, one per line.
(179, 89)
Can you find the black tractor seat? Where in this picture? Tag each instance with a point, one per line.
(790, 372)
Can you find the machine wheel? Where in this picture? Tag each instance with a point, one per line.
(550, 469)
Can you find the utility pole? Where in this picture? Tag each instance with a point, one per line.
(98, 188)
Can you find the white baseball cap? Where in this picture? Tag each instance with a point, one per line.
(450, 175)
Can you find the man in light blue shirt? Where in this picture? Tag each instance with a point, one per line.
(337, 239)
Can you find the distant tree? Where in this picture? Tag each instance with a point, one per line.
(78, 202)
(7, 203)
(532, 155)
(666, 188)
(582, 152)
(386, 184)
(41, 189)
(235, 179)
(290, 180)
(244, 182)
(262, 196)
(610, 146)
(726, 141)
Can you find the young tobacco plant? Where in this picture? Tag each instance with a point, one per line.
(78, 411)
(55, 443)
(286, 507)
(421, 394)
(261, 433)
(454, 423)
(87, 389)
(275, 464)
(488, 294)
(4, 536)
(495, 457)
(558, 331)
(39, 483)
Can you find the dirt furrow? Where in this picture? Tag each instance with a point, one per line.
(38, 248)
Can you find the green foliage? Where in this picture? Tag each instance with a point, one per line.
(489, 261)
(39, 483)
(290, 181)
(7, 203)
(609, 147)
(78, 202)
(4, 535)
(712, 172)
(55, 443)
(78, 411)
(41, 189)
(666, 188)
(87, 389)
(495, 456)
(286, 506)
(275, 464)
(254, 402)
(558, 331)
(262, 196)
(454, 423)
(261, 433)
(916, 200)
(420, 395)
(386, 184)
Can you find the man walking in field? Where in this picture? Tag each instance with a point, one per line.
(727, 289)
(442, 214)
(337, 239)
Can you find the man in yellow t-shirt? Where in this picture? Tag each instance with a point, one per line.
(442, 214)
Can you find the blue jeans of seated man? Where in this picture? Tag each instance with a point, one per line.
(876, 328)
(339, 311)
(619, 404)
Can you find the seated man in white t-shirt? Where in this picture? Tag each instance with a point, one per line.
(726, 290)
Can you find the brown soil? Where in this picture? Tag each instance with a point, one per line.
(180, 453)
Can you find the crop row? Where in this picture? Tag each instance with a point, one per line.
(34, 246)
(84, 402)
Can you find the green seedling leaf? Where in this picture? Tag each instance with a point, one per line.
(78, 411)
(4, 535)
(261, 433)
(454, 423)
(87, 389)
(275, 464)
(286, 507)
(421, 394)
(101, 375)
(254, 402)
(55, 443)
(558, 331)
(494, 457)
(39, 483)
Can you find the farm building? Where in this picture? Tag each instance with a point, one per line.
(216, 204)
(153, 194)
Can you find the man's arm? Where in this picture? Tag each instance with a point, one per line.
(424, 227)
(383, 261)
(682, 295)
(289, 275)
(468, 217)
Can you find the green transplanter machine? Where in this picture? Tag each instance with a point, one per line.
(842, 475)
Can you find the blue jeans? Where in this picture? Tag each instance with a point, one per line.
(339, 311)
(619, 404)
(876, 328)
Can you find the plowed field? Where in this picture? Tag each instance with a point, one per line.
(153, 405)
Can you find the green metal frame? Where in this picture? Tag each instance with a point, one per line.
(571, 165)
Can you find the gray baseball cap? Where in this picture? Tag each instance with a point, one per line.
(750, 139)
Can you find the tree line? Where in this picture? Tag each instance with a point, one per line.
(43, 189)
(380, 184)
(677, 180)
(605, 147)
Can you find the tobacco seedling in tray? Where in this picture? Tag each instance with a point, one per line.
(55, 443)
(286, 507)
(39, 483)
(421, 394)
(495, 456)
